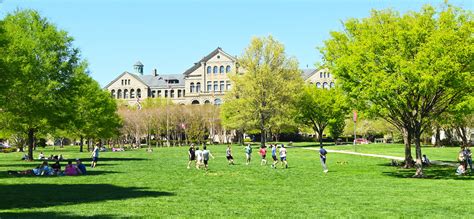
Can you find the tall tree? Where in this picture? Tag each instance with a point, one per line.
(319, 107)
(268, 85)
(406, 69)
(43, 60)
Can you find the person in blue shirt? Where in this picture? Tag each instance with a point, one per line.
(248, 153)
(274, 155)
(322, 157)
(81, 167)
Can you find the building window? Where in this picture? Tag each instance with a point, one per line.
(191, 89)
(325, 85)
(119, 94)
(215, 85)
(227, 69)
(166, 93)
(132, 93)
(221, 69)
(329, 74)
(122, 82)
(207, 102)
(195, 102)
(125, 94)
(139, 93)
(112, 92)
(179, 93)
(227, 85)
(318, 85)
(153, 94)
(172, 93)
(320, 75)
(209, 69)
(184, 93)
(221, 86)
(209, 86)
(217, 101)
(128, 81)
(332, 84)
(198, 87)
(215, 69)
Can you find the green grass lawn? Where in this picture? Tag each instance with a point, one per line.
(158, 184)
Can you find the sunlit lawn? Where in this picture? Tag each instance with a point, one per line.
(158, 184)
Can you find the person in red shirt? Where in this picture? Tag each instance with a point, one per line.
(263, 153)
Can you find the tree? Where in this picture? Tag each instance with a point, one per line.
(336, 127)
(43, 60)
(406, 69)
(319, 108)
(267, 87)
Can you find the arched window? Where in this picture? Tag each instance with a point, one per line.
(195, 102)
(119, 94)
(153, 94)
(221, 69)
(191, 89)
(132, 93)
(217, 101)
(207, 102)
(215, 86)
(209, 69)
(215, 69)
(318, 85)
(139, 93)
(198, 87)
(324, 74)
(179, 93)
(320, 75)
(172, 93)
(325, 85)
(125, 94)
(112, 92)
(329, 74)
(227, 69)
(332, 84)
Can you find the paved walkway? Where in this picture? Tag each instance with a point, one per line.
(435, 162)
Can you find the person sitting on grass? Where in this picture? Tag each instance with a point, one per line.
(41, 156)
(425, 161)
(469, 158)
(81, 166)
(60, 158)
(56, 168)
(71, 170)
(25, 157)
(45, 169)
(460, 170)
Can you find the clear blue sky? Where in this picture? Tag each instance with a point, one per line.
(171, 35)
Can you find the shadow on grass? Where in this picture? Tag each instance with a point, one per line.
(4, 174)
(432, 172)
(31, 165)
(46, 195)
(31, 214)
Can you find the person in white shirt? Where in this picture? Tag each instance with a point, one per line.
(283, 156)
(198, 157)
(205, 155)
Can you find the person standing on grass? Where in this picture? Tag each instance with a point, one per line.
(469, 158)
(95, 156)
(198, 157)
(322, 157)
(283, 156)
(228, 153)
(274, 155)
(205, 155)
(191, 155)
(248, 153)
(263, 153)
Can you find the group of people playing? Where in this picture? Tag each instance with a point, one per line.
(201, 157)
(44, 169)
(465, 160)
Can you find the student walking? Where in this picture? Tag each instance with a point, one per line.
(95, 156)
(191, 155)
(248, 153)
(322, 157)
(263, 153)
(228, 153)
(274, 155)
(283, 156)
(205, 155)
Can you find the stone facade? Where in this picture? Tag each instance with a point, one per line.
(204, 83)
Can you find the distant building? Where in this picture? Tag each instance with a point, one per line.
(204, 83)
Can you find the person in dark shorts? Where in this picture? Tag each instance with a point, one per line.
(228, 153)
(274, 155)
(283, 156)
(263, 153)
(191, 155)
(322, 157)
(205, 155)
(95, 156)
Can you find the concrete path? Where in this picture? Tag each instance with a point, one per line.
(435, 162)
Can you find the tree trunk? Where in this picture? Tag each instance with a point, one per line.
(419, 164)
(31, 139)
(438, 137)
(462, 133)
(320, 138)
(407, 141)
(81, 144)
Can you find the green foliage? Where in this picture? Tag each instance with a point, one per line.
(266, 89)
(319, 108)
